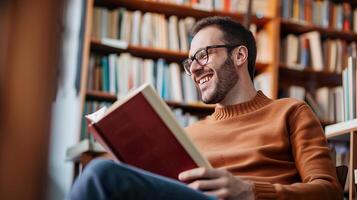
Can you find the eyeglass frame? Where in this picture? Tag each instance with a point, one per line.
(192, 58)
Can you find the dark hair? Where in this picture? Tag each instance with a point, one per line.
(233, 33)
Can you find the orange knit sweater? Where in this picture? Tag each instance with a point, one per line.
(277, 144)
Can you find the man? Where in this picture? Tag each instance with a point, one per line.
(259, 148)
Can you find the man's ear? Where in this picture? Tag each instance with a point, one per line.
(240, 56)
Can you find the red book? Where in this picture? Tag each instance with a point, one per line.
(141, 130)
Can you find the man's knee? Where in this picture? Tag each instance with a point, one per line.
(107, 169)
(99, 166)
(103, 168)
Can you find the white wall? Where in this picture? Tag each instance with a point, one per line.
(66, 108)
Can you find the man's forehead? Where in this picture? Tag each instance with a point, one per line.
(207, 36)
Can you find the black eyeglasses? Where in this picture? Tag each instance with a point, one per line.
(201, 56)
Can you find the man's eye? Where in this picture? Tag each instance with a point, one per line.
(201, 55)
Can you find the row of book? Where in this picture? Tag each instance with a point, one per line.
(327, 103)
(118, 74)
(144, 29)
(155, 31)
(324, 13)
(184, 119)
(307, 50)
(259, 7)
(349, 82)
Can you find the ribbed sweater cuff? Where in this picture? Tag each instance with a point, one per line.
(264, 191)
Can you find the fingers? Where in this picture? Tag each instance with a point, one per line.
(211, 184)
(200, 173)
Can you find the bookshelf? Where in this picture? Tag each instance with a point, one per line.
(276, 26)
(95, 46)
(92, 45)
(335, 34)
(346, 131)
(293, 22)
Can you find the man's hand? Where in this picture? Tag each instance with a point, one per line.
(219, 183)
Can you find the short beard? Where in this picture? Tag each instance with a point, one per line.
(226, 78)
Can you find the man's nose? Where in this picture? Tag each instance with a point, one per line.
(195, 67)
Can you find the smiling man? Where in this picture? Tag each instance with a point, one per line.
(260, 148)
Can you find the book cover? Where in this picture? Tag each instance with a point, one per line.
(140, 130)
(315, 50)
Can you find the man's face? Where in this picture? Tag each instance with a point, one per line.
(215, 79)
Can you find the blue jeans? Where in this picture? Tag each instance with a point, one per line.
(105, 179)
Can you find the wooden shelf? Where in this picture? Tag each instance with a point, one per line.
(151, 53)
(192, 106)
(92, 95)
(144, 52)
(174, 9)
(301, 27)
(188, 107)
(342, 128)
(326, 123)
(308, 77)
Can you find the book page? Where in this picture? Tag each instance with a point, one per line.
(97, 115)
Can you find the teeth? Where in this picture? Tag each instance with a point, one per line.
(204, 80)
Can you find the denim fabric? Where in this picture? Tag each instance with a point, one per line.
(105, 179)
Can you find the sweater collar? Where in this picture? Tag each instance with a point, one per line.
(259, 101)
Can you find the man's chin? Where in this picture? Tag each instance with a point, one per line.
(208, 100)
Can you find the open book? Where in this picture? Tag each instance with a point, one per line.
(141, 130)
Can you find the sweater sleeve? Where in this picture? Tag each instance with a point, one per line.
(312, 160)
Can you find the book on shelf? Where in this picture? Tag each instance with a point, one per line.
(307, 50)
(259, 7)
(314, 105)
(142, 29)
(324, 13)
(315, 49)
(140, 130)
(349, 82)
(118, 74)
(297, 92)
(155, 30)
(327, 103)
(262, 82)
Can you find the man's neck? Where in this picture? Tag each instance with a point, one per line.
(243, 91)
